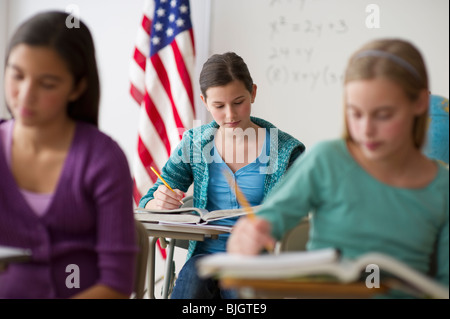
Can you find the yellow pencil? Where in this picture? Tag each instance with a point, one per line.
(243, 201)
(165, 183)
(239, 195)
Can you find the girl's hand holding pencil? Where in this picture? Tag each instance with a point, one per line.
(165, 197)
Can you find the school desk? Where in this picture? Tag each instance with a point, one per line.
(11, 255)
(275, 288)
(173, 233)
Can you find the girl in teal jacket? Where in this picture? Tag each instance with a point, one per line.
(253, 150)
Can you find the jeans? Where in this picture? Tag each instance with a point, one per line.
(190, 286)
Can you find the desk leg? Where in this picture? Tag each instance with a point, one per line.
(151, 267)
(168, 273)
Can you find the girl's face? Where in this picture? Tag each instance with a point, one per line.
(230, 105)
(380, 116)
(38, 85)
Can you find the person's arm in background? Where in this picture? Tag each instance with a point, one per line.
(290, 201)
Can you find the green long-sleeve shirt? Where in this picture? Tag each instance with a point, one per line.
(356, 213)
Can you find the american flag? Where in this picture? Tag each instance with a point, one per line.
(161, 76)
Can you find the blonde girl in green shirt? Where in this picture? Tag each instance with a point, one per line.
(372, 190)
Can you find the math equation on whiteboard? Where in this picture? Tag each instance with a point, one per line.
(297, 45)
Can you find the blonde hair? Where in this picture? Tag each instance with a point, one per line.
(396, 60)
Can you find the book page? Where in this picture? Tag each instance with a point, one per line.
(294, 265)
(227, 213)
(187, 214)
(174, 218)
(13, 254)
(266, 266)
(408, 275)
(191, 210)
(198, 226)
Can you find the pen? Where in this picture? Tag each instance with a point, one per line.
(165, 183)
(243, 201)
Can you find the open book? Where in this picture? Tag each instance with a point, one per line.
(323, 263)
(12, 254)
(187, 215)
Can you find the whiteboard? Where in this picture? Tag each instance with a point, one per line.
(297, 51)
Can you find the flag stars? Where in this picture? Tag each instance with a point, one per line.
(169, 32)
(158, 26)
(170, 19)
(179, 22)
(156, 40)
(183, 9)
(161, 12)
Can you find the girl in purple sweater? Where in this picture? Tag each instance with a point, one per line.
(65, 187)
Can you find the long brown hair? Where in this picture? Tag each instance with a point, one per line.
(399, 61)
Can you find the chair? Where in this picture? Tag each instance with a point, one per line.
(141, 260)
(296, 238)
(436, 145)
(169, 276)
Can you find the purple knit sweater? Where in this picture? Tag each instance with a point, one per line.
(89, 223)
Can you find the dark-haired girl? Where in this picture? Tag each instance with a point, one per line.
(65, 188)
(252, 150)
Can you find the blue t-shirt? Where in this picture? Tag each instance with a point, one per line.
(220, 196)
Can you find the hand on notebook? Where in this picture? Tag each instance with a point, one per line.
(250, 236)
(165, 198)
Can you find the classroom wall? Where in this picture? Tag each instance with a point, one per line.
(297, 50)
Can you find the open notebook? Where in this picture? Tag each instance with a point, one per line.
(187, 215)
(323, 264)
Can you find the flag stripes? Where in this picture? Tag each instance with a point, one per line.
(161, 76)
